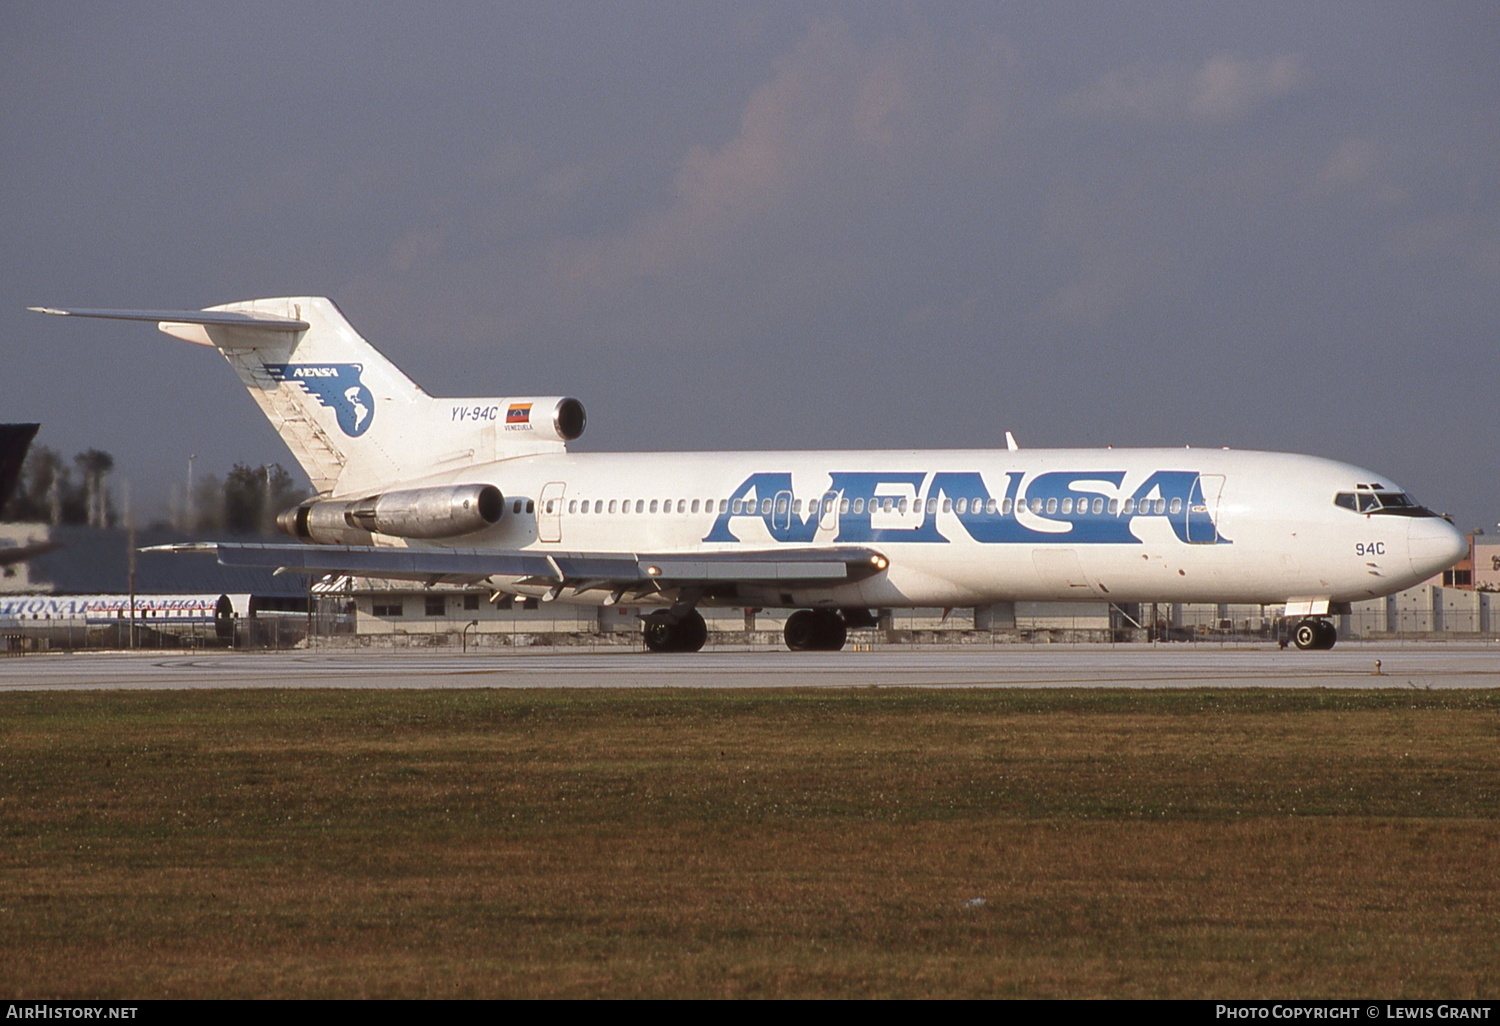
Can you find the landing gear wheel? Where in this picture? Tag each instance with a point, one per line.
(692, 632)
(815, 630)
(658, 637)
(801, 630)
(835, 633)
(1314, 634)
(686, 635)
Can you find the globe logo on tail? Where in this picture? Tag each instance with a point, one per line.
(335, 385)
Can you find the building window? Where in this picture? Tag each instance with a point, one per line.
(1458, 578)
(471, 603)
(436, 606)
(386, 607)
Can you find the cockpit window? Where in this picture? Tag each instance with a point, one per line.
(1389, 503)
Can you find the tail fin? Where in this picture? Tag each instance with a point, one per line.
(352, 420)
(338, 404)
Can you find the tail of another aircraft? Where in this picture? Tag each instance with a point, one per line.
(352, 420)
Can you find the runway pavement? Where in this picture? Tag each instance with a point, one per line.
(1417, 665)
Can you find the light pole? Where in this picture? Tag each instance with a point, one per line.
(190, 513)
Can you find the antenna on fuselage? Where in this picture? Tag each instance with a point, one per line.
(1010, 442)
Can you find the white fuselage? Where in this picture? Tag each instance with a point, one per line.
(970, 527)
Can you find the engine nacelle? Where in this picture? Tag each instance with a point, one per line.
(558, 418)
(446, 512)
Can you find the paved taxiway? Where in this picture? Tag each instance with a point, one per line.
(1171, 666)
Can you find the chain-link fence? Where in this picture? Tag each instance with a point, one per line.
(461, 620)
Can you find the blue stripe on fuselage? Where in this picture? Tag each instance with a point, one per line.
(1178, 494)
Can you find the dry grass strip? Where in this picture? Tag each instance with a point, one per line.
(787, 843)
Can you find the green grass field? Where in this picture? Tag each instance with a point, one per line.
(779, 843)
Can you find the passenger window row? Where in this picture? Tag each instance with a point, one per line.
(879, 504)
(598, 506)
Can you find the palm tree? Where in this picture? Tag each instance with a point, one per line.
(94, 464)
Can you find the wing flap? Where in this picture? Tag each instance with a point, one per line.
(695, 568)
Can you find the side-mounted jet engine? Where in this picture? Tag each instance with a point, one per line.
(446, 512)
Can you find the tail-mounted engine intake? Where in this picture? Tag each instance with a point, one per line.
(415, 513)
(558, 418)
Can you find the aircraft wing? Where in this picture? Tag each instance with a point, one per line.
(576, 571)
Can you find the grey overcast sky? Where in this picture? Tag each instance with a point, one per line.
(778, 225)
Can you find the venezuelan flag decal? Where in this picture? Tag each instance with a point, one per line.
(519, 413)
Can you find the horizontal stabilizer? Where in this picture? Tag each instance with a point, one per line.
(216, 318)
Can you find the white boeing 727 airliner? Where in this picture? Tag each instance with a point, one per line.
(485, 491)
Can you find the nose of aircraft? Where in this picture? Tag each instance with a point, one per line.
(1434, 545)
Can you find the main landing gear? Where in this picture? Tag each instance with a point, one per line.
(807, 630)
(1313, 633)
(815, 630)
(686, 634)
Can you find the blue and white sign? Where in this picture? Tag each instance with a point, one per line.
(335, 385)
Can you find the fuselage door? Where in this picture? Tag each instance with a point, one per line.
(549, 509)
(1203, 509)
